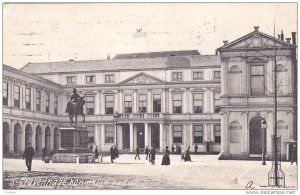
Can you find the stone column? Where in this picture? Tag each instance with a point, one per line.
(102, 103)
(121, 101)
(116, 102)
(269, 133)
(134, 102)
(97, 104)
(43, 95)
(191, 134)
(102, 137)
(52, 137)
(11, 137)
(224, 137)
(170, 99)
(146, 134)
(131, 136)
(23, 125)
(166, 101)
(96, 135)
(245, 130)
(149, 101)
(186, 100)
(161, 137)
(212, 100)
(170, 137)
(163, 101)
(33, 135)
(120, 134)
(224, 83)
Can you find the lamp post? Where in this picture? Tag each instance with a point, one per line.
(116, 116)
(263, 148)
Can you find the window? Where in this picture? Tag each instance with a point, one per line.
(47, 102)
(28, 98)
(234, 77)
(177, 134)
(38, 101)
(55, 104)
(156, 103)
(177, 103)
(235, 132)
(257, 82)
(198, 133)
(90, 79)
(128, 103)
(109, 104)
(198, 75)
(109, 78)
(90, 105)
(5, 94)
(142, 103)
(198, 102)
(71, 79)
(217, 74)
(109, 134)
(217, 130)
(91, 134)
(17, 96)
(176, 75)
(217, 103)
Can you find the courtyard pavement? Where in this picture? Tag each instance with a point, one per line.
(204, 172)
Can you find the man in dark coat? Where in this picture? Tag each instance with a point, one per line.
(116, 152)
(147, 152)
(152, 155)
(187, 156)
(294, 154)
(137, 153)
(44, 153)
(28, 155)
(196, 148)
(166, 157)
(112, 154)
(91, 148)
(96, 153)
(173, 149)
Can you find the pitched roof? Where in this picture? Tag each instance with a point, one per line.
(122, 64)
(161, 54)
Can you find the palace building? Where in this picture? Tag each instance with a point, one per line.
(162, 99)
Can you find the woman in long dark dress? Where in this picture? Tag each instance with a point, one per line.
(152, 155)
(166, 157)
(187, 156)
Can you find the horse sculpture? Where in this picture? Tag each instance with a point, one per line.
(74, 109)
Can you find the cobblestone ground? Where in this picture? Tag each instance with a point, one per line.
(205, 172)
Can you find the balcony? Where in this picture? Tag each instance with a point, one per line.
(142, 116)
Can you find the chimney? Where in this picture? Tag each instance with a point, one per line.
(294, 38)
(225, 42)
(256, 28)
(282, 36)
(288, 40)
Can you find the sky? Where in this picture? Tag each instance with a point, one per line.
(92, 31)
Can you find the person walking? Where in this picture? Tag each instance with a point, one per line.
(116, 152)
(182, 156)
(137, 153)
(96, 154)
(147, 152)
(173, 149)
(152, 155)
(28, 155)
(44, 153)
(294, 154)
(166, 157)
(187, 156)
(112, 154)
(196, 148)
(91, 148)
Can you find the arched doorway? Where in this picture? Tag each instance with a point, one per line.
(255, 135)
(17, 138)
(38, 139)
(56, 138)
(6, 138)
(28, 134)
(48, 138)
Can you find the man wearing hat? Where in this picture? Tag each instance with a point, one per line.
(28, 155)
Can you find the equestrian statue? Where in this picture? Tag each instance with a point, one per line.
(75, 106)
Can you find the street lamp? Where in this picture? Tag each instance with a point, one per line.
(116, 116)
(263, 133)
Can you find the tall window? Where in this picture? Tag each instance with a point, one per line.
(177, 134)
(90, 79)
(198, 133)
(109, 104)
(71, 79)
(217, 103)
(5, 93)
(217, 130)
(177, 103)
(109, 134)
(91, 134)
(128, 103)
(55, 104)
(38, 101)
(156, 103)
(17, 96)
(90, 104)
(109, 78)
(198, 75)
(257, 81)
(47, 102)
(142, 103)
(217, 74)
(234, 80)
(235, 130)
(198, 102)
(176, 75)
(28, 98)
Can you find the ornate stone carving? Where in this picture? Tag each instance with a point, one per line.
(142, 79)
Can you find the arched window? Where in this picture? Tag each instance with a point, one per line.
(235, 132)
(234, 80)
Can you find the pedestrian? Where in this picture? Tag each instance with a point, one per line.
(294, 154)
(166, 157)
(182, 156)
(112, 154)
(28, 155)
(44, 153)
(147, 152)
(137, 153)
(96, 154)
(116, 151)
(196, 148)
(152, 155)
(91, 148)
(187, 156)
(173, 149)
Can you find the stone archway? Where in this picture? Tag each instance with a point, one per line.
(28, 134)
(38, 139)
(255, 142)
(6, 138)
(17, 138)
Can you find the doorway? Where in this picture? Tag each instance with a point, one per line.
(255, 136)
(155, 136)
(126, 136)
(140, 134)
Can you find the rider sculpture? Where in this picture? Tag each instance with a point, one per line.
(75, 106)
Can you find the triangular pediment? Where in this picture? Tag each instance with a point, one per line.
(255, 39)
(142, 79)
